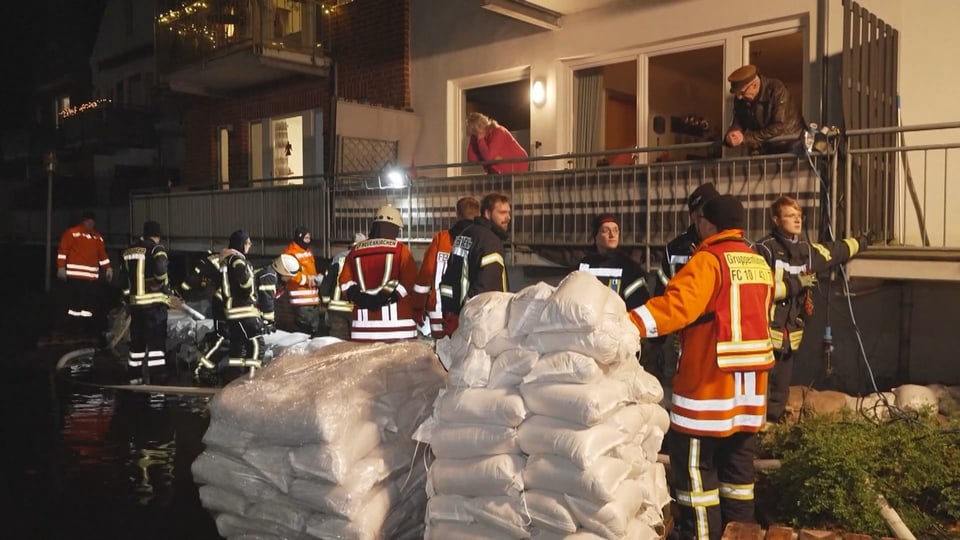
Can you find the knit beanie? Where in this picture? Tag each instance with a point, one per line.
(602, 220)
(151, 229)
(298, 235)
(702, 194)
(88, 214)
(725, 212)
(238, 239)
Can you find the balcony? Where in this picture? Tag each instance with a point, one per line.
(216, 47)
(103, 127)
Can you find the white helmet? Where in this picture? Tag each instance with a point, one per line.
(286, 265)
(388, 214)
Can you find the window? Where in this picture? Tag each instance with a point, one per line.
(507, 103)
(605, 112)
(223, 157)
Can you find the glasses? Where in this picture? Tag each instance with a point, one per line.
(748, 88)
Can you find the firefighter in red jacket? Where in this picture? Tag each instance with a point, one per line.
(719, 301)
(303, 290)
(377, 277)
(80, 258)
(425, 298)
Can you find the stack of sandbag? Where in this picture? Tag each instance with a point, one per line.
(318, 444)
(548, 427)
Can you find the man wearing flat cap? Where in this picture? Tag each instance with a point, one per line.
(719, 302)
(762, 110)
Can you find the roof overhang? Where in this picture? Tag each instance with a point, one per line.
(528, 12)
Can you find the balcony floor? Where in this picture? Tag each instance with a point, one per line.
(242, 68)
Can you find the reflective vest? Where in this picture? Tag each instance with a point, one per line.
(375, 265)
(428, 281)
(82, 253)
(238, 287)
(145, 265)
(301, 288)
(336, 301)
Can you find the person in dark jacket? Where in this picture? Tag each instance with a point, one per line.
(476, 263)
(795, 263)
(147, 291)
(762, 110)
(271, 280)
(239, 291)
(204, 280)
(339, 310)
(613, 266)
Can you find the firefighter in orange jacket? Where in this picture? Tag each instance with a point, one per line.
(304, 288)
(426, 301)
(720, 303)
(80, 258)
(377, 277)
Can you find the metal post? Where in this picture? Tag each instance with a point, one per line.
(51, 165)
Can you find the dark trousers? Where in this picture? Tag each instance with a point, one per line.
(82, 307)
(306, 319)
(778, 385)
(246, 343)
(339, 323)
(713, 482)
(148, 339)
(212, 342)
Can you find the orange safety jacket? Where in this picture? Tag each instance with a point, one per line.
(425, 295)
(82, 253)
(377, 266)
(719, 301)
(301, 288)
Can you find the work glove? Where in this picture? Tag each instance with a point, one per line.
(269, 327)
(317, 280)
(451, 321)
(62, 273)
(363, 300)
(392, 297)
(419, 316)
(109, 274)
(864, 241)
(807, 281)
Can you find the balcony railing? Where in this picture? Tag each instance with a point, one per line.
(197, 32)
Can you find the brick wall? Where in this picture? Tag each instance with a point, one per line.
(371, 46)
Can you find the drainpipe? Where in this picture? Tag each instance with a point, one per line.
(906, 326)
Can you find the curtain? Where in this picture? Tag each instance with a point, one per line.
(588, 93)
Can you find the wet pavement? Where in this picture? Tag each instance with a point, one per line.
(82, 462)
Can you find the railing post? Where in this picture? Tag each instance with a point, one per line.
(848, 189)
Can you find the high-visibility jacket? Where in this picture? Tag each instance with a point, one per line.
(145, 266)
(380, 266)
(267, 288)
(238, 287)
(476, 263)
(301, 287)
(719, 302)
(425, 295)
(330, 288)
(82, 253)
(205, 277)
(618, 271)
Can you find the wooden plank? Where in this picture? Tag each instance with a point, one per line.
(778, 532)
(742, 531)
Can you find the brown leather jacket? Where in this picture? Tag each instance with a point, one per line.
(772, 114)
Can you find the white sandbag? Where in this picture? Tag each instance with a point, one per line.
(505, 514)
(286, 515)
(477, 477)
(632, 418)
(367, 523)
(610, 520)
(231, 526)
(875, 406)
(333, 461)
(526, 306)
(510, 367)
(227, 439)
(581, 445)
(452, 349)
(946, 403)
(497, 406)
(225, 472)
(578, 535)
(484, 316)
(501, 342)
(644, 387)
(916, 398)
(565, 367)
(597, 483)
(461, 441)
(346, 501)
(273, 463)
(548, 511)
(639, 529)
(470, 370)
(585, 404)
(579, 304)
(217, 499)
(614, 340)
(451, 530)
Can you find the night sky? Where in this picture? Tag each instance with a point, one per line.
(43, 40)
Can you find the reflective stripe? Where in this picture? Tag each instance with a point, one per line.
(755, 421)
(662, 277)
(105, 262)
(679, 259)
(340, 305)
(85, 275)
(698, 498)
(421, 289)
(634, 286)
(491, 258)
(72, 266)
(739, 492)
(602, 272)
(242, 312)
(649, 323)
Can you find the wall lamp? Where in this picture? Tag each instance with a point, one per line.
(538, 92)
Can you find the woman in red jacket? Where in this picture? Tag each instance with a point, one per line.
(489, 141)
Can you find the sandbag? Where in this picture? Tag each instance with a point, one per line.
(585, 404)
(916, 398)
(484, 316)
(497, 406)
(510, 367)
(580, 303)
(525, 308)
(333, 461)
(470, 370)
(581, 445)
(222, 500)
(505, 514)
(613, 340)
(565, 367)
(610, 520)
(548, 512)
(477, 477)
(460, 441)
(450, 530)
(597, 483)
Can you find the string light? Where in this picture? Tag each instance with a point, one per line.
(73, 111)
(175, 14)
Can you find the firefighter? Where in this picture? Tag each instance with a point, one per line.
(615, 268)
(476, 262)
(339, 310)
(282, 271)
(239, 292)
(795, 263)
(204, 278)
(147, 291)
(80, 258)
(426, 301)
(719, 302)
(303, 289)
(377, 277)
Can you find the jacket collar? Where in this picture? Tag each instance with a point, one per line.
(722, 236)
